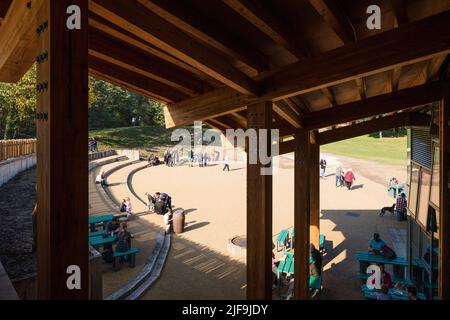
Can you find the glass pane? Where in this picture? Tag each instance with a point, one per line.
(434, 197)
(425, 185)
(413, 190)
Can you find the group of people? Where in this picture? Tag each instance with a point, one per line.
(161, 203)
(202, 157)
(344, 178)
(92, 145)
(123, 239)
(153, 160)
(101, 179)
(126, 206)
(378, 246)
(171, 157)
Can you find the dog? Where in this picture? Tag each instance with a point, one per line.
(387, 209)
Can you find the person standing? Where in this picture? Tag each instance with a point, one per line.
(200, 159)
(401, 206)
(205, 159)
(339, 174)
(349, 178)
(323, 166)
(226, 163)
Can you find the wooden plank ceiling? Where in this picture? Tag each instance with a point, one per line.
(223, 53)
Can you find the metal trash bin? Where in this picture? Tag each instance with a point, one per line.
(178, 221)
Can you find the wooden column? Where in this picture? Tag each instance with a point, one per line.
(444, 198)
(314, 198)
(62, 161)
(259, 212)
(301, 214)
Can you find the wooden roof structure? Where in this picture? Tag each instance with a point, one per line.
(301, 66)
(207, 60)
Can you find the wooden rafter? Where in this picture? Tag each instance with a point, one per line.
(334, 17)
(150, 27)
(110, 49)
(329, 95)
(285, 112)
(183, 17)
(401, 14)
(256, 14)
(416, 41)
(18, 45)
(133, 81)
(382, 104)
(99, 23)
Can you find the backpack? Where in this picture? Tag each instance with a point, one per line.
(388, 252)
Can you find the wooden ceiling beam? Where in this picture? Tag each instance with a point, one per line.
(133, 81)
(401, 14)
(18, 45)
(416, 41)
(137, 19)
(335, 18)
(110, 49)
(381, 104)
(101, 24)
(329, 95)
(277, 30)
(184, 17)
(285, 112)
(362, 128)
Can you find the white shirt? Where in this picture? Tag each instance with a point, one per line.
(98, 178)
(226, 161)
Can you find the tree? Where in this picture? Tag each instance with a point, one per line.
(18, 107)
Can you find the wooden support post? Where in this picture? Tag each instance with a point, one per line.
(62, 161)
(301, 214)
(259, 211)
(444, 205)
(314, 198)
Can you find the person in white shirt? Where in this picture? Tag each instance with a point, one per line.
(226, 163)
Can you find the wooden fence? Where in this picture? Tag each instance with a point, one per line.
(16, 148)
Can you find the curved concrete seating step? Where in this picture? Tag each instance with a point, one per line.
(149, 273)
(130, 184)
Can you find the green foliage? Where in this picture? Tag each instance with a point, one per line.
(114, 107)
(18, 107)
(109, 107)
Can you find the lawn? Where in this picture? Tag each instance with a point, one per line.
(386, 150)
(151, 139)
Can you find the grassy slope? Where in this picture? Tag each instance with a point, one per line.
(150, 138)
(386, 150)
(154, 139)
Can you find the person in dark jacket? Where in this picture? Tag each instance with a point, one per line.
(315, 261)
(123, 239)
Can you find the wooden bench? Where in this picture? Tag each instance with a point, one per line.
(366, 258)
(98, 233)
(282, 239)
(396, 294)
(130, 255)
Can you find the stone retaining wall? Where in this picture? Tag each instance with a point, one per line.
(11, 167)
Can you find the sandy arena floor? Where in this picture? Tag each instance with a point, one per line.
(199, 265)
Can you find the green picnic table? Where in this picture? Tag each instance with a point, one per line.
(366, 258)
(103, 219)
(282, 238)
(396, 294)
(101, 241)
(321, 240)
(287, 266)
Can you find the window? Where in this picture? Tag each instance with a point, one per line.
(413, 190)
(425, 185)
(434, 196)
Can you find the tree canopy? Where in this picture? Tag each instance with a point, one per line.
(109, 107)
